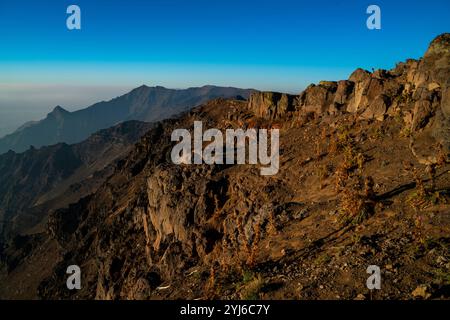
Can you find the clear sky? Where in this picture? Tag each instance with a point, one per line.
(266, 44)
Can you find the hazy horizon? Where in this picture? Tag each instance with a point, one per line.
(21, 103)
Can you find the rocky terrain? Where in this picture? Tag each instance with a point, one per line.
(364, 180)
(145, 103)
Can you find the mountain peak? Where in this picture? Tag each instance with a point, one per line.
(58, 113)
(59, 109)
(144, 88)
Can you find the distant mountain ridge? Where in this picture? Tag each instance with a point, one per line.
(144, 103)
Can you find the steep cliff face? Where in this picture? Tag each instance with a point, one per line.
(271, 105)
(349, 194)
(429, 81)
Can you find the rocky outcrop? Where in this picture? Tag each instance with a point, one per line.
(317, 98)
(430, 82)
(271, 105)
(418, 90)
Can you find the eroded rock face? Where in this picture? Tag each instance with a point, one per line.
(317, 98)
(445, 102)
(430, 77)
(343, 92)
(181, 201)
(271, 105)
(377, 108)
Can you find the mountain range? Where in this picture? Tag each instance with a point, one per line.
(144, 103)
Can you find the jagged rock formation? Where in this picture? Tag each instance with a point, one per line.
(159, 230)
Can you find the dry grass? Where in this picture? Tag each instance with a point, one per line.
(360, 161)
(211, 283)
(420, 198)
(251, 261)
(355, 208)
(341, 177)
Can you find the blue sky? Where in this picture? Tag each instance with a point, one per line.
(272, 45)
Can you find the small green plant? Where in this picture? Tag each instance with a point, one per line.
(247, 276)
(437, 243)
(251, 288)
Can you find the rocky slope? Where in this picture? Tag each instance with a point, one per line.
(147, 104)
(364, 180)
(37, 180)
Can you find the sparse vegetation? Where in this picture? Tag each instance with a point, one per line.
(355, 207)
(405, 132)
(360, 160)
(254, 248)
(424, 195)
(377, 133)
(341, 177)
(323, 259)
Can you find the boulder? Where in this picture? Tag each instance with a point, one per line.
(377, 108)
(359, 75)
(318, 98)
(343, 91)
(271, 105)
